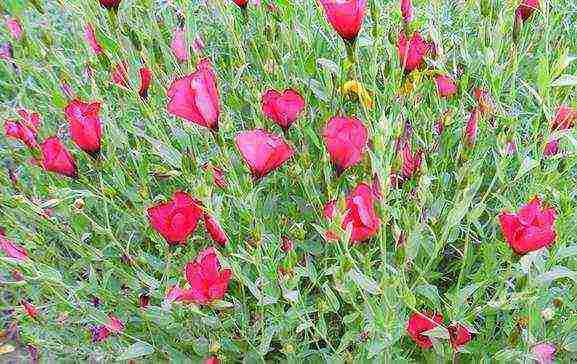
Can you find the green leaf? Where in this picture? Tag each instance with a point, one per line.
(136, 350)
(556, 273)
(366, 283)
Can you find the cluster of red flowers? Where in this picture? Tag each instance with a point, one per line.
(196, 99)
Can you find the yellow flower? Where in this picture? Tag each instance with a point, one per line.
(357, 89)
(411, 83)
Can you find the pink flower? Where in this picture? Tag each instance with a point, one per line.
(25, 129)
(214, 230)
(85, 125)
(212, 360)
(179, 46)
(346, 140)
(412, 51)
(345, 16)
(195, 97)
(544, 353)
(217, 175)
(419, 323)
(197, 44)
(551, 148)
(262, 151)
(459, 335)
(6, 52)
(208, 281)
(102, 332)
(287, 244)
(90, 38)
(565, 118)
(484, 100)
(30, 309)
(145, 79)
(361, 215)
(15, 28)
(56, 158)
(472, 127)
(411, 162)
(176, 219)
(282, 108)
(532, 228)
(526, 9)
(445, 86)
(13, 250)
(119, 74)
(407, 10)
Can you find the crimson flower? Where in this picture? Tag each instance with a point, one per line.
(85, 125)
(214, 230)
(419, 323)
(532, 228)
(56, 158)
(412, 51)
(195, 97)
(345, 16)
(282, 108)
(346, 140)
(145, 79)
(24, 129)
(361, 215)
(262, 151)
(207, 280)
(445, 86)
(176, 219)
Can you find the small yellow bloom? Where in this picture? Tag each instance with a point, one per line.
(357, 89)
(411, 83)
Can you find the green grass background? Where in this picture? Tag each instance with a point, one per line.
(340, 303)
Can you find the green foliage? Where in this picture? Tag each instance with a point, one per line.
(324, 301)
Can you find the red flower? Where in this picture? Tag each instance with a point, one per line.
(287, 244)
(101, 333)
(145, 79)
(283, 108)
(14, 27)
(143, 301)
(85, 126)
(179, 46)
(445, 86)
(214, 230)
(345, 16)
(407, 10)
(25, 129)
(241, 3)
(197, 44)
(30, 309)
(91, 39)
(329, 212)
(176, 220)
(217, 175)
(526, 9)
(207, 280)
(412, 51)
(56, 158)
(472, 127)
(195, 97)
(361, 214)
(13, 250)
(212, 360)
(119, 74)
(419, 323)
(551, 148)
(565, 118)
(532, 228)
(6, 52)
(459, 335)
(262, 151)
(110, 4)
(411, 162)
(484, 100)
(346, 141)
